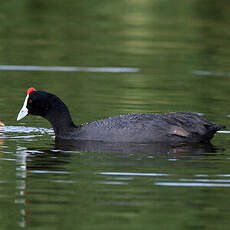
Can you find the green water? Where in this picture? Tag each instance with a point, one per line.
(182, 52)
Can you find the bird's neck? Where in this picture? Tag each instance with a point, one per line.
(60, 118)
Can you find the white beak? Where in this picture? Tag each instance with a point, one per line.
(24, 111)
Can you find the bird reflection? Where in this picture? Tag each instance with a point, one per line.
(127, 148)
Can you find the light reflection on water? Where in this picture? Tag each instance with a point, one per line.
(11, 132)
(133, 174)
(191, 184)
(71, 69)
(24, 129)
(209, 73)
(169, 179)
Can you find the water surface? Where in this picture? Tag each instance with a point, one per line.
(102, 60)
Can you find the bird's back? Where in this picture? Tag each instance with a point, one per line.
(147, 128)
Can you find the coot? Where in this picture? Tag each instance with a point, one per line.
(175, 127)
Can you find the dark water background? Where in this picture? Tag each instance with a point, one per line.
(181, 53)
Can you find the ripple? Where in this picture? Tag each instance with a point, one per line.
(70, 69)
(203, 72)
(133, 174)
(7, 159)
(48, 172)
(224, 131)
(112, 182)
(206, 180)
(177, 184)
(215, 181)
(23, 137)
(24, 129)
(209, 73)
(64, 181)
(7, 131)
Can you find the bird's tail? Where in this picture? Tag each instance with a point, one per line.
(212, 129)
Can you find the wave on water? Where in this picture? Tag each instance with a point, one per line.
(70, 69)
(10, 131)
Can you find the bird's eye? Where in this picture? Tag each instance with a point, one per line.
(30, 101)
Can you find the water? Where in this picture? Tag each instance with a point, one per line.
(105, 59)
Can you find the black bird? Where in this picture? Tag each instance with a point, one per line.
(175, 127)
